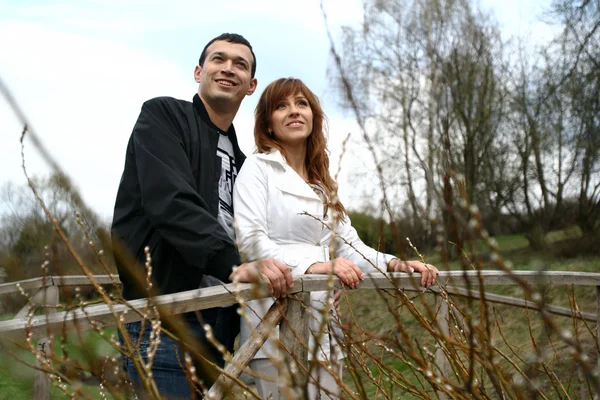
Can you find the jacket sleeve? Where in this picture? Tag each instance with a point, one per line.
(250, 202)
(349, 246)
(250, 207)
(169, 195)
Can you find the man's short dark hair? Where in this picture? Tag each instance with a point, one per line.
(231, 38)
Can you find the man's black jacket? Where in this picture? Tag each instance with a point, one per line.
(168, 197)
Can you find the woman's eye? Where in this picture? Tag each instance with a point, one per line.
(280, 106)
(303, 103)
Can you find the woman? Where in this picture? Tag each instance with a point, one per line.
(285, 204)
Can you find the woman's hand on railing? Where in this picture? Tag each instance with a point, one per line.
(346, 270)
(428, 272)
(277, 275)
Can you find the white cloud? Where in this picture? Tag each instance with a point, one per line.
(132, 17)
(522, 19)
(82, 95)
(81, 71)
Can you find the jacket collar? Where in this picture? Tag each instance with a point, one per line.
(291, 182)
(201, 110)
(275, 156)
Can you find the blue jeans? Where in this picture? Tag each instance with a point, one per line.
(169, 360)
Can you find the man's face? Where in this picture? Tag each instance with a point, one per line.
(225, 79)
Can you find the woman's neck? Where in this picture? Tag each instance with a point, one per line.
(296, 158)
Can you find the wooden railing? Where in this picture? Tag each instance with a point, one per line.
(293, 314)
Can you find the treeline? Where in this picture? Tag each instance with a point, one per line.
(28, 238)
(447, 104)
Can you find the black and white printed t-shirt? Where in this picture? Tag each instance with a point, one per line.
(226, 181)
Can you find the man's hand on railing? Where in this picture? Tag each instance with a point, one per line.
(428, 272)
(277, 275)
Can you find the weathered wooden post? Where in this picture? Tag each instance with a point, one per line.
(442, 318)
(294, 334)
(246, 353)
(41, 381)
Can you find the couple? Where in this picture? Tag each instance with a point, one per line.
(177, 197)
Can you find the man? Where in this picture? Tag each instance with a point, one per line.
(175, 198)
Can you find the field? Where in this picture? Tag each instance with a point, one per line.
(370, 311)
(518, 325)
(16, 378)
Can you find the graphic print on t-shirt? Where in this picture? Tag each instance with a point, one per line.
(226, 181)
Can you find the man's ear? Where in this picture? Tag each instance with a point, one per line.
(197, 72)
(253, 84)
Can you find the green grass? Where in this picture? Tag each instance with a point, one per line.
(508, 243)
(369, 310)
(515, 248)
(512, 321)
(6, 317)
(16, 377)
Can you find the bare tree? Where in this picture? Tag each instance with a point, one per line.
(579, 45)
(429, 76)
(554, 113)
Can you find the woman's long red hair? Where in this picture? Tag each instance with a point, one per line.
(317, 159)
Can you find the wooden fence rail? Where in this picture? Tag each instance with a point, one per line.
(453, 282)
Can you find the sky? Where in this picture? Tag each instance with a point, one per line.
(81, 69)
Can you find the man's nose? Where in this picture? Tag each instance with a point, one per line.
(227, 67)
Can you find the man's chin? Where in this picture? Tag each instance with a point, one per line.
(224, 100)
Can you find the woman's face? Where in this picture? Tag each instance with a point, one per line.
(292, 120)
